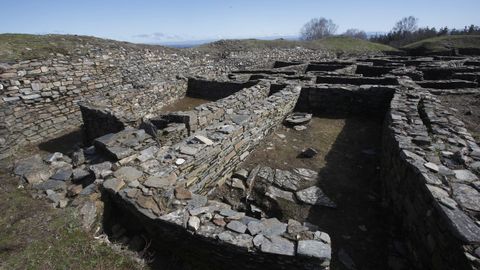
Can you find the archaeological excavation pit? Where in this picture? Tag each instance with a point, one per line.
(356, 164)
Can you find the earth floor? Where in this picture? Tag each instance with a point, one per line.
(184, 104)
(467, 109)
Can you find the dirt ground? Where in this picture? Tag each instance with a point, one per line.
(467, 109)
(348, 165)
(184, 104)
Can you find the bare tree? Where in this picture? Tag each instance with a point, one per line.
(318, 28)
(355, 33)
(406, 25)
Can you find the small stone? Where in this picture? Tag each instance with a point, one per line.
(62, 174)
(241, 174)
(314, 196)
(28, 164)
(53, 157)
(466, 196)
(51, 184)
(255, 227)
(54, 197)
(431, 166)
(78, 158)
(281, 136)
(421, 140)
(79, 174)
(39, 175)
(226, 129)
(309, 153)
(299, 128)
(74, 190)
(286, 180)
(219, 222)
(194, 223)
(258, 240)
(88, 212)
(113, 185)
(101, 169)
(316, 249)
(128, 174)
(465, 175)
(188, 150)
(63, 203)
(237, 226)
(276, 193)
(294, 227)
(202, 139)
(182, 193)
(179, 161)
(307, 174)
(225, 236)
(156, 181)
(237, 183)
(273, 227)
(278, 245)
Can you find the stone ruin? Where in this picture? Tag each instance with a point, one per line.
(167, 174)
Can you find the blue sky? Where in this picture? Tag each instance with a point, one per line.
(177, 20)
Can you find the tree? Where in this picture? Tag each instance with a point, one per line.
(406, 25)
(355, 33)
(318, 28)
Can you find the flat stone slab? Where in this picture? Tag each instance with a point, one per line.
(128, 174)
(278, 245)
(276, 193)
(314, 196)
(312, 248)
(286, 180)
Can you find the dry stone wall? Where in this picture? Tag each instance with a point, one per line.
(39, 97)
(438, 204)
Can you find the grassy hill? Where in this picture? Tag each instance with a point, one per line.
(14, 47)
(445, 45)
(24, 46)
(334, 44)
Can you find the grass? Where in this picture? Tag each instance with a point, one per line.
(18, 47)
(444, 44)
(33, 235)
(15, 47)
(333, 44)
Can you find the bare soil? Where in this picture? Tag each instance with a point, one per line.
(184, 104)
(467, 109)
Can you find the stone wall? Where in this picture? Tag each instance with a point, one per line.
(429, 183)
(165, 188)
(345, 100)
(38, 97)
(214, 90)
(172, 127)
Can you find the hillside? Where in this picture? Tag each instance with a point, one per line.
(24, 46)
(14, 47)
(332, 44)
(447, 45)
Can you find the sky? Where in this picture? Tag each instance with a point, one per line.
(149, 21)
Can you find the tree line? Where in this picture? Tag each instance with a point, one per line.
(404, 32)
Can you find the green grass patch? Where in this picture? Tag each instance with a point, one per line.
(444, 44)
(332, 44)
(33, 235)
(15, 47)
